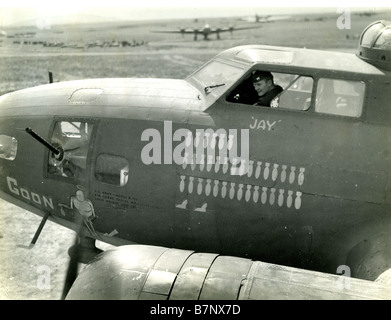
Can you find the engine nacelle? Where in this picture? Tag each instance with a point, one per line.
(149, 272)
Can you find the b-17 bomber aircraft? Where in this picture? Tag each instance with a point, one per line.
(205, 31)
(263, 174)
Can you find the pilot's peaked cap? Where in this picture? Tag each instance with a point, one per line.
(261, 75)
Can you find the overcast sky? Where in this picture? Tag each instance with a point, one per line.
(17, 11)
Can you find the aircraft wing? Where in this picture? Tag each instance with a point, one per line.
(234, 29)
(210, 31)
(182, 31)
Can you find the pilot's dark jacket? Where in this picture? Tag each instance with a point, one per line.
(268, 97)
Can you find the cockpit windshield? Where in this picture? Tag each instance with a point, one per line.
(216, 77)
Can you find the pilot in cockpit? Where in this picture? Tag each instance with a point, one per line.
(257, 89)
(264, 86)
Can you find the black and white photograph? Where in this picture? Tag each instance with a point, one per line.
(195, 151)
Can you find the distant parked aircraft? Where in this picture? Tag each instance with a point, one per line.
(263, 19)
(205, 31)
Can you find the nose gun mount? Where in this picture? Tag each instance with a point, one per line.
(58, 151)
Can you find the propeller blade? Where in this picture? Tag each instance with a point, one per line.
(73, 261)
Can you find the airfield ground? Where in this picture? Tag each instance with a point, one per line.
(156, 55)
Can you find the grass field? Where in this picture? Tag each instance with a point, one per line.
(20, 267)
(27, 71)
(160, 55)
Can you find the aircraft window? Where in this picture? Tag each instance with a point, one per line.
(72, 139)
(370, 34)
(384, 41)
(217, 75)
(112, 169)
(8, 147)
(284, 90)
(340, 97)
(297, 92)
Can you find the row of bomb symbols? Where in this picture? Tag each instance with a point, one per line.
(239, 191)
(251, 169)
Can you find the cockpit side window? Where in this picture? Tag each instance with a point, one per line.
(72, 139)
(297, 92)
(273, 89)
(340, 97)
